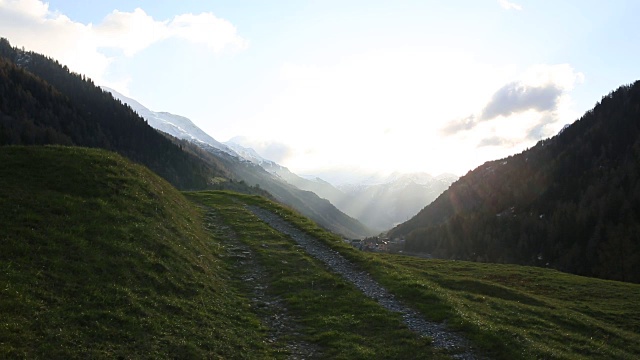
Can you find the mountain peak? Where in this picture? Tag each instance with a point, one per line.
(174, 125)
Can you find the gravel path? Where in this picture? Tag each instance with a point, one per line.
(458, 347)
(283, 329)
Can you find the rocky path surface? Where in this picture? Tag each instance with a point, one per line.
(458, 347)
(283, 329)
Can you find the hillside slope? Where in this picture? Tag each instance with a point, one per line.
(572, 202)
(509, 311)
(101, 258)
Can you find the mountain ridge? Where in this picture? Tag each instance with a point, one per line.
(172, 124)
(571, 202)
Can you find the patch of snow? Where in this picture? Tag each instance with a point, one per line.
(174, 125)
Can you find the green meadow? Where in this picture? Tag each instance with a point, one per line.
(101, 258)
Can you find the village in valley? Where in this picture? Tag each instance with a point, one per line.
(379, 244)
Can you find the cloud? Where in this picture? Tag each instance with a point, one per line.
(135, 31)
(130, 32)
(511, 99)
(509, 5)
(32, 24)
(275, 151)
(541, 130)
(456, 126)
(537, 97)
(494, 141)
(517, 97)
(207, 29)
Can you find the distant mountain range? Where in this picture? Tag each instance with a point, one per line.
(572, 202)
(381, 202)
(377, 202)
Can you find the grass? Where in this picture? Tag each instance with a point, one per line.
(524, 312)
(509, 311)
(100, 258)
(331, 312)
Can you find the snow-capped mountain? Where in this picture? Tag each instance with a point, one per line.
(174, 125)
(249, 154)
(246, 165)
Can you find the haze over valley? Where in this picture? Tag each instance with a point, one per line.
(379, 202)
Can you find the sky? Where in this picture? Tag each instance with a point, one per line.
(409, 86)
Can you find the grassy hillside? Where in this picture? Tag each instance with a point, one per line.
(510, 311)
(329, 312)
(100, 258)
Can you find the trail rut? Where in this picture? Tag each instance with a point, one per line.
(453, 343)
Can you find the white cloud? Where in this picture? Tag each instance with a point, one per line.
(207, 29)
(135, 31)
(527, 108)
(32, 24)
(516, 97)
(130, 32)
(509, 5)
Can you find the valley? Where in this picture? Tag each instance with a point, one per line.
(377, 202)
(130, 233)
(157, 274)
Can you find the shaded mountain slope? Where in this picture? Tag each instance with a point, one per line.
(101, 258)
(571, 202)
(42, 102)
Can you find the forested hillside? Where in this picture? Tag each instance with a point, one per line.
(42, 102)
(571, 202)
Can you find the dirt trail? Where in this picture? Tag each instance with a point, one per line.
(458, 347)
(283, 329)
